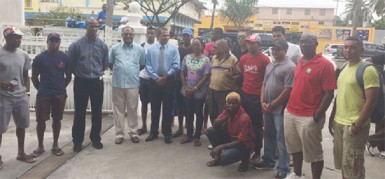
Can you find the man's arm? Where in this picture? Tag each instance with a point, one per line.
(370, 101)
(149, 66)
(105, 57)
(283, 96)
(26, 80)
(111, 58)
(331, 118)
(325, 102)
(175, 62)
(35, 78)
(142, 60)
(221, 119)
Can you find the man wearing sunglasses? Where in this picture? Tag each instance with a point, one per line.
(240, 48)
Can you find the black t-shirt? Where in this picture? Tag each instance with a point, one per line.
(379, 59)
(183, 52)
(237, 51)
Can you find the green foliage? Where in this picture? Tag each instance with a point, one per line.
(153, 9)
(238, 11)
(56, 16)
(338, 21)
(379, 24)
(378, 6)
(365, 12)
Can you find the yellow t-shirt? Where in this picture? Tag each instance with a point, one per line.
(350, 96)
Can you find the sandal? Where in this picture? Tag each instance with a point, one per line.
(37, 153)
(370, 149)
(141, 131)
(57, 151)
(26, 158)
(213, 163)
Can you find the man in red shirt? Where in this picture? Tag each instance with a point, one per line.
(253, 65)
(313, 90)
(232, 135)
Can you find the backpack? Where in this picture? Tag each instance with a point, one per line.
(379, 108)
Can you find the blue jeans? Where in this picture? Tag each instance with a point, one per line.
(274, 135)
(218, 136)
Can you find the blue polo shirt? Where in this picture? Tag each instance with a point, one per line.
(51, 69)
(126, 62)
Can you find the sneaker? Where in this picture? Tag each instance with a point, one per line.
(280, 175)
(97, 145)
(263, 165)
(210, 147)
(294, 176)
(382, 154)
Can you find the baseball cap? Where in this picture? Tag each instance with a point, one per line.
(53, 35)
(187, 31)
(12, 30)
(254, 38)
(280, 44)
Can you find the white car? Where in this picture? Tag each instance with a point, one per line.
(332, 49)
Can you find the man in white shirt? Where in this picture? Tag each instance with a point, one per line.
(293, 52)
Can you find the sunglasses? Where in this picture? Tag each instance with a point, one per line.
(241, 37)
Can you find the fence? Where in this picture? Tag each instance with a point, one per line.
(34, 45)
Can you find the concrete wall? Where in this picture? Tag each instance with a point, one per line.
(379, 37)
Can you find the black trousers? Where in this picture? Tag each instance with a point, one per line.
(85, 89)
(161, 96)
(194, 106)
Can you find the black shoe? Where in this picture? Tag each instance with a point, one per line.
(77, 147)
(168, 139)
(97, 145)
(151, 137)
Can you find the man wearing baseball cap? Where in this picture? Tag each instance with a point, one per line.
(14, 86)
(252, 66)
(276, 88)
(51, 65)
(184, 50)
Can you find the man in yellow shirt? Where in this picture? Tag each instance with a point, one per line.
(353, 108)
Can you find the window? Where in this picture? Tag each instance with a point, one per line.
(257, 10)
(322, 12)
(289, 11)
(49, 0)
(307, 11)
(274, 11)
(321, 23)
(28, 3)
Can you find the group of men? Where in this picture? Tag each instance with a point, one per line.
(279, 101)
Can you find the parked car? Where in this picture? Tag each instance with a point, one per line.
(373, 49)
(334, 50)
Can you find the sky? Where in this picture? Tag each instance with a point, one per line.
(316, 3)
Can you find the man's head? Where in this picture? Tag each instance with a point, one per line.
(308, 44)
(279, 49)
(128, 35)
(164, 35)
(241, 37)
(150, 34)
(233, 101)
(278, 33)
(104, 7)
(92, 28)
(187, 33)
(253, 43)
(53, 42)
(221, 48)
(12, 37)
(216, 34)
(353, 49)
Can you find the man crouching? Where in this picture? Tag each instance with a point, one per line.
(232, 135)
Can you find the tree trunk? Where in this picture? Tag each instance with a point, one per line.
(110, 12)
(355, 20)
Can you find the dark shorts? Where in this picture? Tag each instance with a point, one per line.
(46, 105)
(144, 90)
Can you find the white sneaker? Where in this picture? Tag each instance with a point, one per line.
(210, 147)
(294, 176)
(382, 154)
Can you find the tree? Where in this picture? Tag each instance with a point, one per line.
(238, 11)
(357, 11)
(378, 6)
(56, 16)
(379, 24)
(153, 9)
(338, 21)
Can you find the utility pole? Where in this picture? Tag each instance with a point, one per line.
(356, 11)
(110, 12)
(215, 2)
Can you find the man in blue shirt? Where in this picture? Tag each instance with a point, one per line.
(162, 61)
(89, 60)
(51, 65)
(102, 14)
(126, 60)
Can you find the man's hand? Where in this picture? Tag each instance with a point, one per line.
(161, 81)
(355, 129)
(189, 92)
(8, 86)
(216, 152)
(317, 117)
(331, 124)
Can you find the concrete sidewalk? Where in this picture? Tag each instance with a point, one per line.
(144, 160)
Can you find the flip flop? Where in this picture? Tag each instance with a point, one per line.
(141, 131)
(26, 159)
(37, 153)
(213, 163)
(57, 152)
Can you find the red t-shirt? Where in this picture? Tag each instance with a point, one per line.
(310, 83)
(240, 127)
(253, 69)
